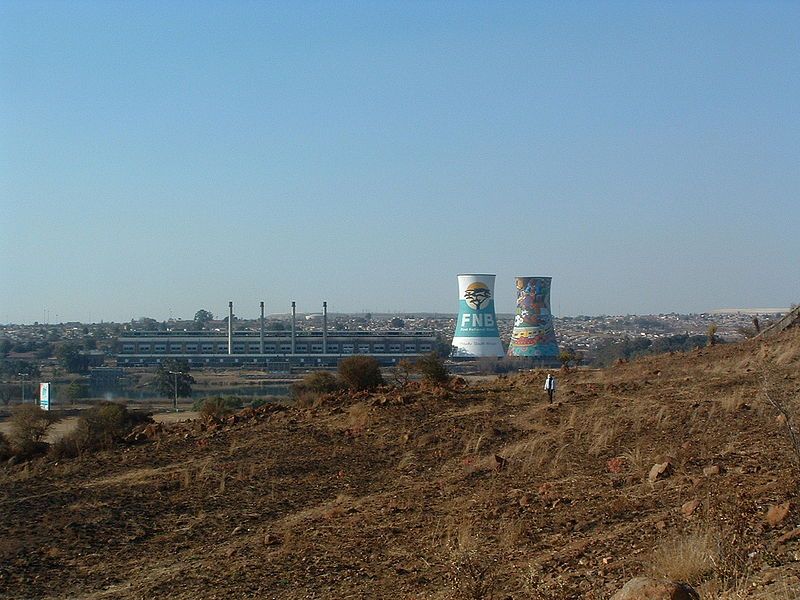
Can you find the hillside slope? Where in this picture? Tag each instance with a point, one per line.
(470, 492)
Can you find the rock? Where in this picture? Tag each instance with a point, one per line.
(787, 537)
(500, 463)
(660, 471)
(711, 470)
(647, 588)
(270, 539)
(777, 513)
(616, 464)
(688, 508)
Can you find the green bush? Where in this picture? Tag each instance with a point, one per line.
(99, 428)
(29, 425)
(106, 423)
(218, 406)
(319, 382)
(360, 372)
(432, 369)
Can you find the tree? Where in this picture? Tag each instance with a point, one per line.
(711, 334)
(202, 317)
(70, 358)
(5, 347)
(570, 357)
(76, 390)
(45, 350)
(19, 368)
(360, 372)
(29, 424)
(402, 372)
(432, 369)
(172, 372)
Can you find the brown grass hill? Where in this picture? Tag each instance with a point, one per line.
(476, 491)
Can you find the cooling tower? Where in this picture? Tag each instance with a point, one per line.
(533, 335)
(476, 327)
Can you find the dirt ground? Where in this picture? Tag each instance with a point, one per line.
(476, 491)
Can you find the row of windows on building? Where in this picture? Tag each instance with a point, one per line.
(272, 348)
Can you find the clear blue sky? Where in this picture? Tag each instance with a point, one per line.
(161, 157)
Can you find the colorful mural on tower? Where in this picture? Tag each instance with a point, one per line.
(534, 335)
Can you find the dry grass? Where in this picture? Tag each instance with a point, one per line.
(741, 588)
(687, 558)
(510, 533)
(435, 515)
(358, 417)
(638, 465)
(603, 436)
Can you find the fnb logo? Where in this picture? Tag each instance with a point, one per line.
(477, 320)
(477, 294)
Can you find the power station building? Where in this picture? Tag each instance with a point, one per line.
(278, 350)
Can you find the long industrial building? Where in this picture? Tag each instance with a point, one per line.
(277, 350)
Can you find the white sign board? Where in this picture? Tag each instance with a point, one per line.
(44, 396)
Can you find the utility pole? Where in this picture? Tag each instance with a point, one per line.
(22, 377)
(175, 374)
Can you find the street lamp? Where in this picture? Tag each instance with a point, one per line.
(176, 373)
(22, 377)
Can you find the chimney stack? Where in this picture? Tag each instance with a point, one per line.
(262, 328)
(230, 327)
(294, 326)
(324, 327)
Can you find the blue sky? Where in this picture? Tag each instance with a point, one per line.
(161, 157)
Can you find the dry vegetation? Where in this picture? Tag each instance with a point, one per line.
(438, 492)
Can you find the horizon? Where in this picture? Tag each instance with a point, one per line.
(644, 156)
(415, 314)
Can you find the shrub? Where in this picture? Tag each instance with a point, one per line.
(257, 402)
(432, 369)
(99, 428)
(218, 406)
(360, 372)
(29, 424)
(307, 399)
(67, 446)
(319, 382)
(105, 424)
(5, 447)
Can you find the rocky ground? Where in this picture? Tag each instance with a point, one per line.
(677, 466)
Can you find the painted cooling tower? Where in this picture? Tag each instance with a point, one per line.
(476, 328)
(533, 335)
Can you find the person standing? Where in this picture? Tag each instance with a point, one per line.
(550, 387)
